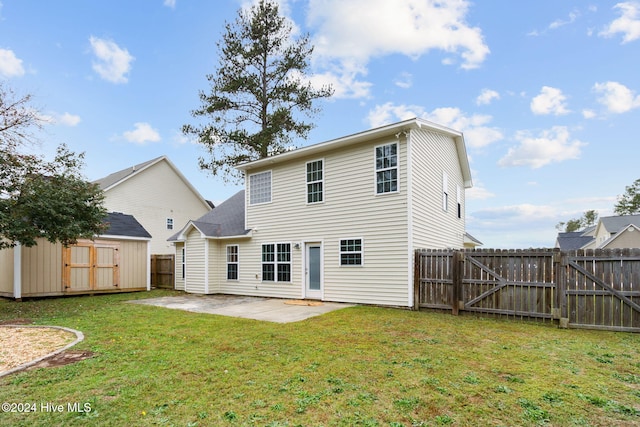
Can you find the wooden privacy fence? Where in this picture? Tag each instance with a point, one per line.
(163, 271)
(596, 289)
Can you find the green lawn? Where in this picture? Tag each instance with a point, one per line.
(358, 366)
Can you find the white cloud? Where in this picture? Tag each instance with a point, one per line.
(142, 134)
(588, 114)
(573, 15)
(348, 34)
(616, 97)
(550, 101)
(550, 146)
(170, 3)
(404, 80)
(476, 132)
(487, 96)
(10, 65)
(113, 62)
(628, 23)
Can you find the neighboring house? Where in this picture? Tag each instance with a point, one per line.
(117, 261)
(611, 232)
(471, 242)
(335, 221)
(158, 195)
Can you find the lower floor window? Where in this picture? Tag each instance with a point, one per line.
(232, 262)
(276, 262)
(351, 252)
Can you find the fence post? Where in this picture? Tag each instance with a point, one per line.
(457, 272)
(417, 263)
(560, 262)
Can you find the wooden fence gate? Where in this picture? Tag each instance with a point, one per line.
(583, 289)
(163, 271)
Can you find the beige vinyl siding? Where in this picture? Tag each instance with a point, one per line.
(351, 209)
(630, 238)
(195, 280)
(152, 196)
(179, 281)
(6, 272)
(434, 154)
(42, 269)
(216, 262)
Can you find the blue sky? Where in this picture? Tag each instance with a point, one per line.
(547, 93)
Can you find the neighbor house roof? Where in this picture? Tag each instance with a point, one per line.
(117, 178)
(572, 240)
(469, 239)
(124, 225)
(226, 220)
(392, 129)
(613, 224)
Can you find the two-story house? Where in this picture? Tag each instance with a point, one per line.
(335, 221)
(158, 195)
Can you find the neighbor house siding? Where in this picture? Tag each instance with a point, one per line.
(434, 154)
(350, 209)
(152, 196)
(6, 272)
(630, 238)
(195, 280)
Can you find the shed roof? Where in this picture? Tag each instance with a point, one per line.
(125, 225)
(226, 220)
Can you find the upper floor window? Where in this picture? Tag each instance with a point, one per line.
(314, 181)
(169, 223)
(260, 188)
(459, 197)
(387, 168)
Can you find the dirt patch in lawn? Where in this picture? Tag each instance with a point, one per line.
(64, 358)
(22, 346)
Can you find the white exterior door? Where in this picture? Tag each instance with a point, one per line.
(313, 270)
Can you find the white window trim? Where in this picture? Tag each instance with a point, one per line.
(249, 186)
(361, 252)
(237, 263)
(276, 262)
(306, 185)
(375, 169)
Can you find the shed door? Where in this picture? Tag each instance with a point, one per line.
(90, 266)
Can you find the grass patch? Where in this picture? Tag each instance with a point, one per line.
(362, 366)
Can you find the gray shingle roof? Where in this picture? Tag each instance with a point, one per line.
(225, 220)
(116, 177)
(613, 224)
(124, 225)
(573, 240)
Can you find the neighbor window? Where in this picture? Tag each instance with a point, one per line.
(459, 198)
(314, 181)
(351, 252)
(169, 223)
(387, 168)
(260, 188)
(276, 262)
(232, 262)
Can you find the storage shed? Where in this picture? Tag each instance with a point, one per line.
(117, 261)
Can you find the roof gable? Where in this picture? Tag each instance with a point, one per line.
(118, 178)
(393, 129)
(226, 220)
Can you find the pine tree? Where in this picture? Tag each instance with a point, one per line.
(258, 92)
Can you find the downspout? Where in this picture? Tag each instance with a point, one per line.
(17, 271)
(410, 251)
